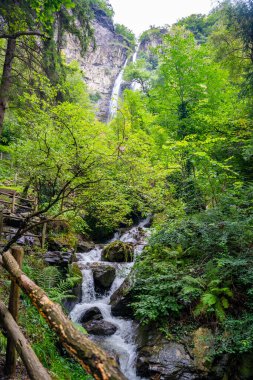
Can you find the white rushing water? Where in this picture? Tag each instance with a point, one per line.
(115, 94)
(135, 85)
(122, 342)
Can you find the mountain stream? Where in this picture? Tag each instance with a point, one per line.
(122, 342)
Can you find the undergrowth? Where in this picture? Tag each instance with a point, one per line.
(43, 340)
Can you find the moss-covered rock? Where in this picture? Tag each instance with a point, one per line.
(203, 342)
(76, 272)
(76, 292)
(118, 251)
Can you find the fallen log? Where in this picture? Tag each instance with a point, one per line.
(33, 366)
(91, 357)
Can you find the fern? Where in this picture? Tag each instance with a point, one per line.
(3, 343)
(214, 301)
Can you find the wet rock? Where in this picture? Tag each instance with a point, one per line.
(104, 276)
(84, 246)
(91, 314)
(58, 258)
(118, 251)
(165, 360)
(100, 327)
(121, 299)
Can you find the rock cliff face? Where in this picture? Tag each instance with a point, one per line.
(151, 39)
(102, 62)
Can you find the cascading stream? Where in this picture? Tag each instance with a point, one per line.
(135, 85)
(122, 342)
(115, 93)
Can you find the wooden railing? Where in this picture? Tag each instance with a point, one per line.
(16, 341)
(11, 201)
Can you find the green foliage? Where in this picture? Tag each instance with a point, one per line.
(236, 335)
(127, 34)
(104, 5)
(200, 25)
(52, 280)
(199, 263)
(44, 343)
(3, 343)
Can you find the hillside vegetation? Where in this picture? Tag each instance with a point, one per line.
(180, 148)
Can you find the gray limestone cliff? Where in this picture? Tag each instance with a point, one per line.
(102, 62)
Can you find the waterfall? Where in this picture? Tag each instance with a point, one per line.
(115, 94)
(136, 86)
(122, 342)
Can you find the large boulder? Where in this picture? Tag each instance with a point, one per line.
(104, 276)
(159, 358)
(100, 327)
(121, 299)
(91, 314)
(118, 251)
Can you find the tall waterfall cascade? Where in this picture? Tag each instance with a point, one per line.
(122, 343)
(115, 93)
(135, 85)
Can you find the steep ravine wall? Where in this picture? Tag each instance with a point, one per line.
(101, 63)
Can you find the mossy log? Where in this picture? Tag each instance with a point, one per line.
(91, 357)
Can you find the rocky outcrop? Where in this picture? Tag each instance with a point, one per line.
(102, 62)
(58, 258)
(191, 358)
(159, 358)
(118, 252)
(168, 361)
(121, 299)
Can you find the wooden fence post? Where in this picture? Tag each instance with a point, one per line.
(44, 234)
(13, 203)
(11, 354)
(1, 220)
(33, 366)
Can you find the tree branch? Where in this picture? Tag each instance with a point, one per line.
(26, 33)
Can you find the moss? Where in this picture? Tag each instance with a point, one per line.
(118, 251)
(75, 271)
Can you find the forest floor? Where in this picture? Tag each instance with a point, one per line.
(21, 371)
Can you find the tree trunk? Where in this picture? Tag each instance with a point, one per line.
(91, 357)
(11, 355)
(6, 79)
(34, 368)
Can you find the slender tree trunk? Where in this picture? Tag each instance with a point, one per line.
(34, 368)
(91, 357)
(11, 354)
(6, 78)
